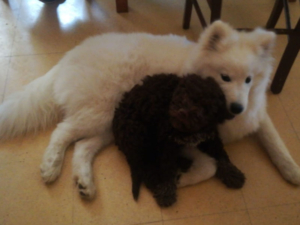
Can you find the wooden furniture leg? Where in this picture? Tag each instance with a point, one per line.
(122, 6)
(187, 14)
(287, 60)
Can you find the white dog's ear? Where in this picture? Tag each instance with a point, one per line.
(215, 36)
(265, 41)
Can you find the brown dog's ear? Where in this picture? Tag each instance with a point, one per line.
(216, 36)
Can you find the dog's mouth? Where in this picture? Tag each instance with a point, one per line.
(230, 116)
(192, 139)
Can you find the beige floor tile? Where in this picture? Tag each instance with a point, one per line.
(264, 185)
(28, 149)
(114, 203)
(154, 223)
(4, 65)
(7, 26)
(262, 11)
(278, 215)
(24, 69)
(241, 14)
(25, 199)
(284, 125)
(290, 98)
(52, 28)
(11, 5)
(232, 218)
(226, 14)
(56, 28)
(205, 198)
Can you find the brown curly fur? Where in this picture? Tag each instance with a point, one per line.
(155, 120)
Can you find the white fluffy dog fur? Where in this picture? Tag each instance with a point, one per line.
(87, 84)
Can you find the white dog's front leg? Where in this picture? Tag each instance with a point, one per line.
(53, 158)
(85, 151)
(278, 152)
(203, 167)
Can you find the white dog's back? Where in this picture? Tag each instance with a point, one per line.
(88, 83)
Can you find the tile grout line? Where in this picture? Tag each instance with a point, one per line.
(161, 216)
(72, 213)
(5, 81)
(38, 54)
(277, 205)
(15, 28)
(287, 115)
(73, 206)
(10, 54)
(247, 209)
(150, 222)
(208, 214)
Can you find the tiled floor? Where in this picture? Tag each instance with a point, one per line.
(34, 36)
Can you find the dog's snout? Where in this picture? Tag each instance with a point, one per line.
(236, 108)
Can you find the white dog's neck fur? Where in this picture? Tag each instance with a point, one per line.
(217, 53)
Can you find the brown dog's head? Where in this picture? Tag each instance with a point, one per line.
(197, 104)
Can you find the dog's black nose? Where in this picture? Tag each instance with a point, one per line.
(236, 108)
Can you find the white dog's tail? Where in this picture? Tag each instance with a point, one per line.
(30, 109)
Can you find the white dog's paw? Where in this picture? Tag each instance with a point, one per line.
(292, 175)
(186, 179)
(50, 171)
(183, 182)
(86, 188)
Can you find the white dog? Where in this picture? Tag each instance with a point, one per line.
(87, 84)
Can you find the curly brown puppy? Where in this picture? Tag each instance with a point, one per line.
(154, 122)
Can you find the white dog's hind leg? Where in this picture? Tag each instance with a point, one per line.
(85, 151)
(278, 152)
(53, 158)
(203, 167)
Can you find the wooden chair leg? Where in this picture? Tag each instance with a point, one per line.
(187, 14)
(287, 60)
(199, 14)
(216, 7)
(275, 14)
(122, 6)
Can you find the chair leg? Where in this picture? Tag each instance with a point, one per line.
(199, 14)
(275, 14)
(216, 7)
(187, 14)
(287, 60)
(122, 6)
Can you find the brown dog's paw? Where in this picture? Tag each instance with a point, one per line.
(166, 200)
(165, 194)
(231, 176)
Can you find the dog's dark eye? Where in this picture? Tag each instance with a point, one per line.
(248, 80)
(226, 78)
